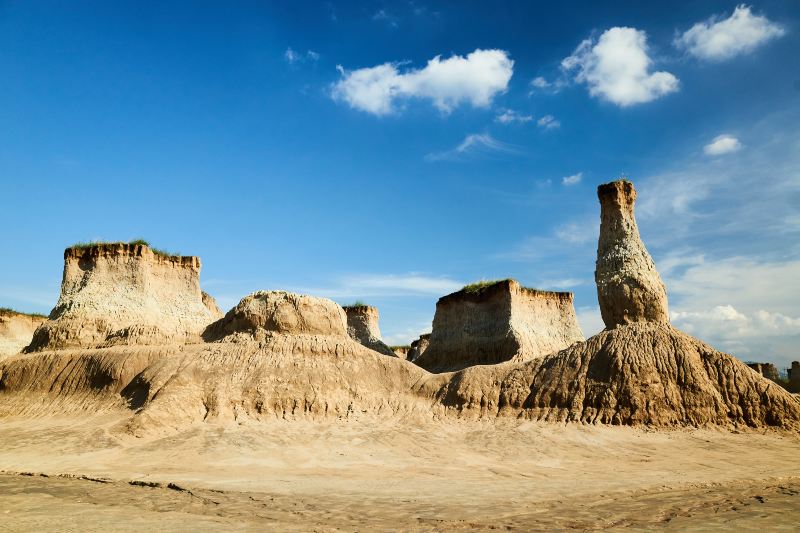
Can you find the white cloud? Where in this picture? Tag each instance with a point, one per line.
(509, 115)
(382, 16)
(722, 144)
(475, 79)
(717, 39)
(292, 57)
(540, 83)
(386, 285)
(476, 144)
(572, 180)
(562, 284)
(548, 122)
(617, 68)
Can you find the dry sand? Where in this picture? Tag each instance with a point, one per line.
(407, 474)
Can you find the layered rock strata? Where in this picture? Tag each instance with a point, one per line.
(419, 346)
(362, 325)
(16, 330)
(629, 288)
(125, 294)
(499, 322)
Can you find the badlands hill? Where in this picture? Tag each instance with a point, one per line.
(16, 330)
(278, 355)
(500, 321)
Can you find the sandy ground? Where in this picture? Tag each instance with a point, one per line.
(393, 475)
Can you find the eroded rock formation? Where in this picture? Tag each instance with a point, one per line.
(401, 351)
(124, 294)
(767, 370)
(499, 322)
(279, 312)
(419, 346)
(362, 325)
(16, 330)
(629, 288)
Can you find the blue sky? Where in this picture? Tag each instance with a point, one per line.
(391, 152)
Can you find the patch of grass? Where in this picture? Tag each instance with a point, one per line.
(136, 242)
(405, 347)
(482, 284)
(9, 311)
(357, 303)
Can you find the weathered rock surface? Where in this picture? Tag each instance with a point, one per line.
(636, 374)
(16, 330)
(499, 322)
(211, 305)
(629, 288)
(401, 351)
(794, 377)
(767, 370)
(363, 327)
(419, 346)
(125, 293)
(279, 312)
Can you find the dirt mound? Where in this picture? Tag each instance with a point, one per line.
(124, 293)
(362, 326)
(637, 374)
(498, 322)
(16, 330)
(629, 288)
(263, 313)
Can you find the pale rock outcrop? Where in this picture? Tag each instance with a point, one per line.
(119, 293)
(279, 312)
(16, 330)
(401, 351)
(362, 326)
(211, 305)
(629, 288)
(419, 346)
(767, 370)
(499, 322)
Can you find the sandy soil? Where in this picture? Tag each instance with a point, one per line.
(393, 474)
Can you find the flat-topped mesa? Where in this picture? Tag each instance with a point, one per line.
(265, 313)
(629, 288)
(125, 293)
(498, 322)
(362, 326)
(16, 330)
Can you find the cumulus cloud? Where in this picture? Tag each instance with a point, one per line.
(718, 39)
(476, 144)
(509, 115)
(572, 180)
(617, 68)
(548, 122)
(722, 144)
(475, 79)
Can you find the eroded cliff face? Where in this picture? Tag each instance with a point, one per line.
(125, 294)
(501, 322)
(629, 288)
(16, 330)
(363, 327)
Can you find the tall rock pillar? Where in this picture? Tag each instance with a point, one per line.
(629, 288)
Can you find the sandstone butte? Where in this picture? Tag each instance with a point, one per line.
(497, 322)
(16, 330)
(362, 326)
(278, 355)
(120, 293)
